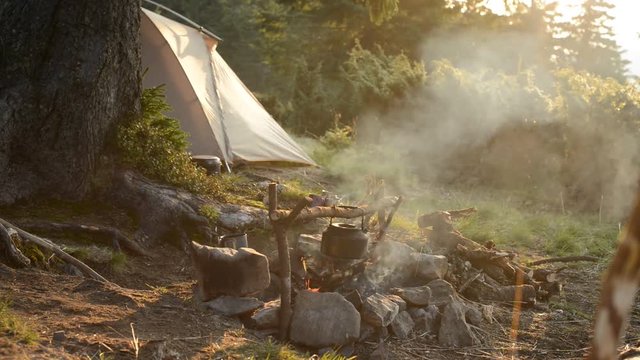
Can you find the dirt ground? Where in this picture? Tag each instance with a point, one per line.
(154, 300)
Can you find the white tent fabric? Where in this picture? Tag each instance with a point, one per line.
(221, 116)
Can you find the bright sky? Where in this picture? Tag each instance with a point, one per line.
(626, 25)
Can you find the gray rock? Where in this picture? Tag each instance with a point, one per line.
(234, 216)
(416, 296)
(416, 313)
(323, 319)
(429, 267)
(379, 310)
(473, 315)
(232, 306)
(367, 331)
(309, 245)
(268, 316)
(391, 268)
(393, 254)
(354, 298)
(426, 319)
(225, 271)
(454, 330)
(402, 305)
(441, 292)
(59, 336)
(402, 325)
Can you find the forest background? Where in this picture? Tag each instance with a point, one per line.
(445, 91)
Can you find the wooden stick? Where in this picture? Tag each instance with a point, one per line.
(280, 230)
(564, 259)
(381, 212)
(47, 244)
(334, 211)
(470, 281)
(562, 203)
(385, 226)
(600, 209)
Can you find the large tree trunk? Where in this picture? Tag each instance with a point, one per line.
(69, 71)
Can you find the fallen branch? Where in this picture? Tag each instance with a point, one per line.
(565, 259)
(47, 244)
(108, 234)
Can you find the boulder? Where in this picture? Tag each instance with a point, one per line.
(354, 297)
(232, 306)
(416, 296)
(393, 254)
(402, 305)
(473, 315)
(402, 325)
(367, 331)
(268, 316)
(323, 319)
(454, 330)
(226, 271)
(441, 292)
(391, 268)
(426, 319)
(429, 267)
(309, 245)
(378, 310)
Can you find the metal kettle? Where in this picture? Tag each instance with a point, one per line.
(345, 241)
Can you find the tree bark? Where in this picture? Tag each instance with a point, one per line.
(69, 71)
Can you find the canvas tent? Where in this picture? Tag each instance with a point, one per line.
(221, 116)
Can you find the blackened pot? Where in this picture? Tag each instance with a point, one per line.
(344, 241)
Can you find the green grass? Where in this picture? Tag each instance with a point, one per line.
(273, 350)
(12, 325)
(118, 261)
(516, 221)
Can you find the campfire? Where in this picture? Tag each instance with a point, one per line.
(353, 284)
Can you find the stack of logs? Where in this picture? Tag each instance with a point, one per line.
(482, 272)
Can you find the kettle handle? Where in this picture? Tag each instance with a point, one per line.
(361, 223)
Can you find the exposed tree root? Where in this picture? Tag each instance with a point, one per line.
(9, 253)
(47, 244)
(112, 236)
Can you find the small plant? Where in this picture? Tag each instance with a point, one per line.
(210, 213)
(118, 261)
(13, 326)
(335, 140)
(155, 145)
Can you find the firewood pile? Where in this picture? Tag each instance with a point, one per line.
(484, 272)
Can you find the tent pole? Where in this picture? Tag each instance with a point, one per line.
(186, 19)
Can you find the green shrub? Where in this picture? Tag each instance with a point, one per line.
(336, 139)
(155, 145)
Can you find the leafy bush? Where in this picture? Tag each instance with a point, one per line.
(155, 145)
(377, 79)
(331, 143)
